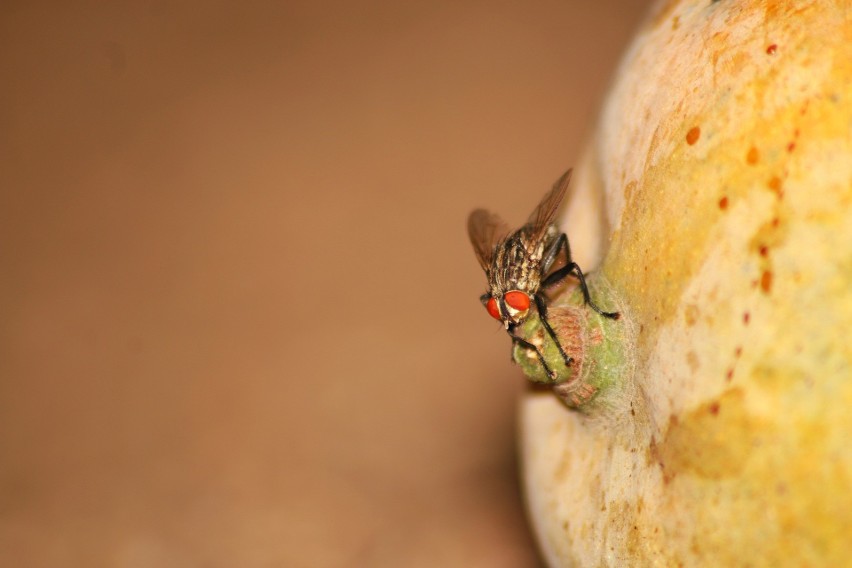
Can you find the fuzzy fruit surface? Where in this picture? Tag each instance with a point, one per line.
(724, 159)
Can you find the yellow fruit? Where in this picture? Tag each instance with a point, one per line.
(724, 157)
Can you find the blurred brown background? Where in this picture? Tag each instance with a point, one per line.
(239, 322)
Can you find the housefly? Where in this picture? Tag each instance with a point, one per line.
(519, 265)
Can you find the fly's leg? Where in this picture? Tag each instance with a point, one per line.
(550, 256)
(528, 345)
(542, 314)
(575, 270)
(571, 267)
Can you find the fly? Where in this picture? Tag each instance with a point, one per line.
(518, 267)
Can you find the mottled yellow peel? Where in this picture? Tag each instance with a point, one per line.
(724, 156)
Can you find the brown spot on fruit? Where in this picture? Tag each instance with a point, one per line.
(746, 318)
(766, 281)
(692, 361)
(629, 189)
(693, 135)
(723, 203)
(769, 236)
(775, 185)
(753, 156)
(711, 441)
(770, 50)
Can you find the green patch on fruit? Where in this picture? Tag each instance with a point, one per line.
(600, 348)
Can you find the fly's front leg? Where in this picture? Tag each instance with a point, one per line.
(542, 314)
(528, 345)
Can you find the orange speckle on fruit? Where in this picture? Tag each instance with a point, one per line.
(753, 156)
(693, 135)
(766, 281)
(723, 203)
(775, 185)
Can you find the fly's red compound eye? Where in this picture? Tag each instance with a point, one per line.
(491, 306)
(517, 300)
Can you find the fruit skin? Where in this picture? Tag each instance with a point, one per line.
(724, 157)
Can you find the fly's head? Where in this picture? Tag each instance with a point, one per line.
(511, 308)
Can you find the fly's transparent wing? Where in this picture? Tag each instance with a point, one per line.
(485, 230)
(545, 212)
